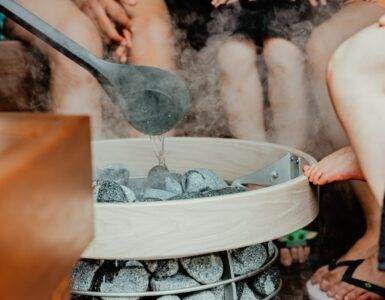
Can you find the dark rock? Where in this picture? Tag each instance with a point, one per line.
(111, 192)
(160, 178)
(226, 191)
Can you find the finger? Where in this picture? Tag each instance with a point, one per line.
(301, 255)
(307, 252)
(128, 38)
(382, 21)
(105, 23)
(305, 169)
(117, 13)
(285, 257)
(313, 3)
(294, 253)
(119, 51)
(130, 2)
(317, 177)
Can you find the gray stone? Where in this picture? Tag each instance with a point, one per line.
(158, 194)
(248, 259)
(111, 192)
(169, 297)
(186, 196)
(270, 248)
(118, 173)
(129, 193)
(219, 292)
(82, 275)
(198, 180)
(161, 179)
(148, 200)
(130, 279)
(205, 269)
(267, 282)
(162, 268)
(245, 293)
(225, 191)
(205, 295)
(176, 282)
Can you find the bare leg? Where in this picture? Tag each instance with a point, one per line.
(287, 92)
(153, 41)
(355, 79)
(73, 90)
(322, 43)
(241, 89)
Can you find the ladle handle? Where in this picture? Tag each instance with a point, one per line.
(50, 35)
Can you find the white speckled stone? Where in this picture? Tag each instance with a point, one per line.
(176, 282)
(158, 194)
(205, 269)
(205, 295)
(198, 180)
(248, 259)
(245, 293)
(129, 279)
(169, 297)
(129, 193)
(162, 268)
(83, 274)
(118, 173)
(267, 282)
(219, 292)
(270, 248)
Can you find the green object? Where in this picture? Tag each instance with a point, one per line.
(298, 238)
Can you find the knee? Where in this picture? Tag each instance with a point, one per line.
(153, 24)
(237, 55)
(357, 63)
(282, 56)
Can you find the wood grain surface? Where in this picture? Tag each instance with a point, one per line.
(191, 227)
(45, 203)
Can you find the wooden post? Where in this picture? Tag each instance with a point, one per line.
(46, 206)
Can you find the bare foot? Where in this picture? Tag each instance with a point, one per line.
(362, 249)
(339, 166)
(288, 256)
(367, 271)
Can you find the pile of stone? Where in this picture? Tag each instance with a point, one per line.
(176, 274)
(113, 185)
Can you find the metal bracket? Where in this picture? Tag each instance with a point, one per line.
(284, 169)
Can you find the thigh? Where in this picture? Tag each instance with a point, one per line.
(63, 15)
